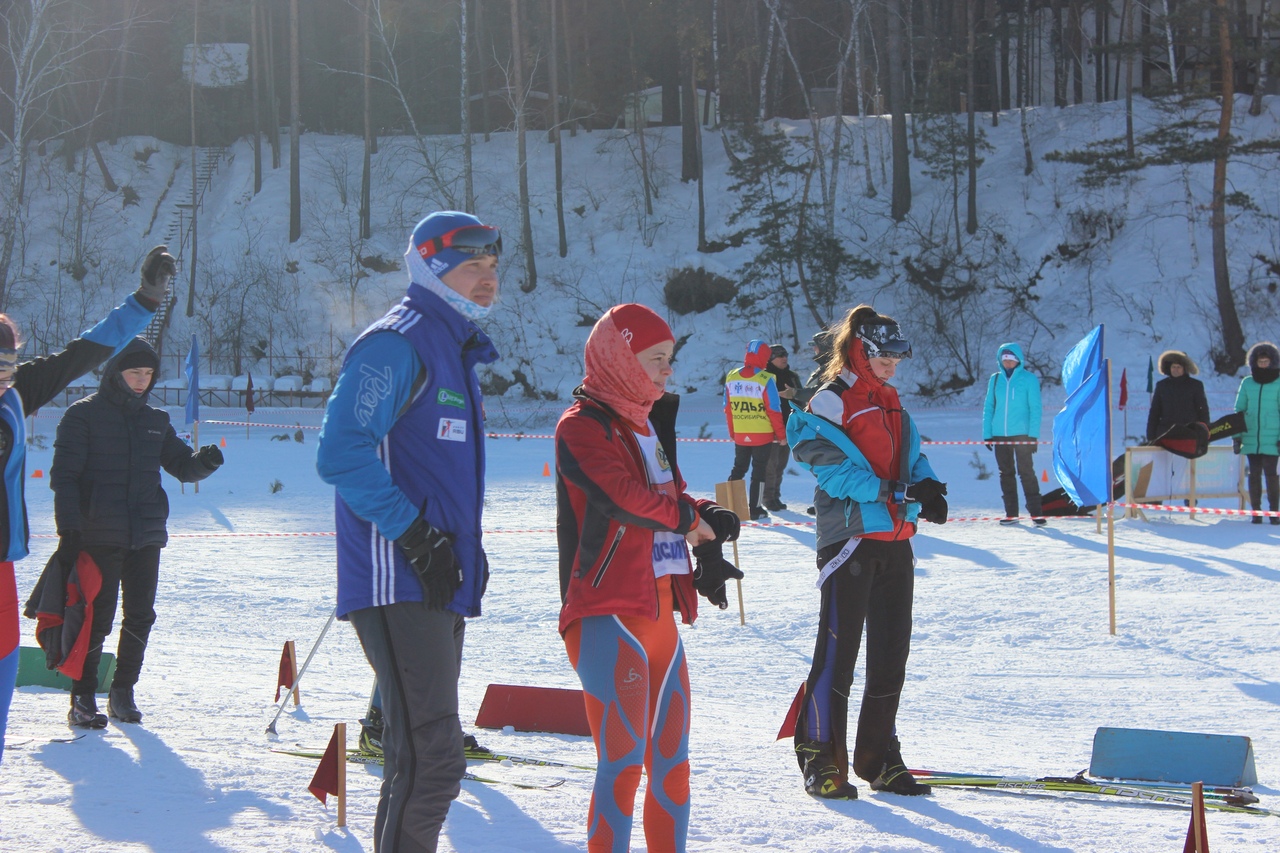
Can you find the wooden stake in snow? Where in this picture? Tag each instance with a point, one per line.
(732, 495)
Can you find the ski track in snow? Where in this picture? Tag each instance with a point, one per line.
(1012, 670)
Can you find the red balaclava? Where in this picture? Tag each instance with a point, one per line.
(614, 375)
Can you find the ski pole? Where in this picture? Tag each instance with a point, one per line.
(271, 729)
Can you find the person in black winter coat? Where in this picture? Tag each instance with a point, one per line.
(108, 501)
(788, 382)
(1179, 398)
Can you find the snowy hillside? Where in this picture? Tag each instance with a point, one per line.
(1051, 258)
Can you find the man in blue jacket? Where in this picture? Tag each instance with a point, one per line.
(1012, 414)
(403, 443)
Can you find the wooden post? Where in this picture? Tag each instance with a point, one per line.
(732, 495)
(1198, 832)
(195, 440)
(1111, 512)
(340, 731)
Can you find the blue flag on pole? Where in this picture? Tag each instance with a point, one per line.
(1084, 360)
(1082, 430)
(192, 370)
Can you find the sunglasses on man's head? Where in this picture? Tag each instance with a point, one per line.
(469, 239)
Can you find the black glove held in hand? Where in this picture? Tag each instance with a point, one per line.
(926, 490)
(430, 554)
(712, 571)
(68, 547)
(724, 522)
(157, 271)
(210, 457)
(934, 509)
(1237, 444)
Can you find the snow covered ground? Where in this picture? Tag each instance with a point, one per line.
(1012, 671)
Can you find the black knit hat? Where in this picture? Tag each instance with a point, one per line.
(140, 357)
(777, 351)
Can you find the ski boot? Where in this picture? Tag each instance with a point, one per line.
(371, 732)
(895, 777)
(473, 748)
(822, 775)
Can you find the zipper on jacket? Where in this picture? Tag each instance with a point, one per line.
(608, 558)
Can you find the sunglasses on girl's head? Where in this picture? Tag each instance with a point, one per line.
(896, 349)
(469, 239)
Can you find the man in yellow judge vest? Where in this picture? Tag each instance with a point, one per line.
(754, 414)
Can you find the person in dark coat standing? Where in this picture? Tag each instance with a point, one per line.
(25, 388)
(108, 501)
(1179, 398)
(788, 382)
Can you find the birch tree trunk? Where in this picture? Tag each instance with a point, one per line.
(901, 204)
(295, 128)
(555, 128)
(530, 282)
(464, 97)
(1233, 354)
(1264, 63)
(971, 209)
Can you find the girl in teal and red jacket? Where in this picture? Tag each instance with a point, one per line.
(873, 484)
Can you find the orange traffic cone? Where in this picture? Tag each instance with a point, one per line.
(546, 469)
(37, 474)
(1044, 475)
(224, 441)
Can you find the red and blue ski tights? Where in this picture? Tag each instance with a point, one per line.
(636, 686)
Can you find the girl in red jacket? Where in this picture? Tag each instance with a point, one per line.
(625, 527)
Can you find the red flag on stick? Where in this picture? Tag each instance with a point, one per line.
(1197, 832)
(288, 675)
(1124, 388)
(248, 395)
(331, 775)
(788, 728)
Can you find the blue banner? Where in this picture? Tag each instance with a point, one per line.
(1082, 430)
(1084, 360)
(192, 370)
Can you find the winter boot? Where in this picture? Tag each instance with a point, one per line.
(120, 705)
(371, 732)
(895, 777)
(84, 712)
(774, 505)
(822, 775)
(758, 512)
(473, 747)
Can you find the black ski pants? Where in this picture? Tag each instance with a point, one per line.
(756, 456)
(131, 577)
(1263, 465)
(777, 467)
(1019, 456)
(416, 654)
(874, 587)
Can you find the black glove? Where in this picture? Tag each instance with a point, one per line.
(926, 490)
(430, 554)
(210, 457)
(724, 522)
(934, 509)
(68, 547)
(989, 446)
(1237, 444)
(712, 571)
(157, 271)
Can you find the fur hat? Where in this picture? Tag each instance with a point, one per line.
(1264, 349)
(1170, 357)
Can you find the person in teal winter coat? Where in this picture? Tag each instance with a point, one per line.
(1012, 413)
(1259, 400)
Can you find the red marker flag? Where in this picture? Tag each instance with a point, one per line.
(288, 674)
(329, 778)
(248, 395)
(1124, 388)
